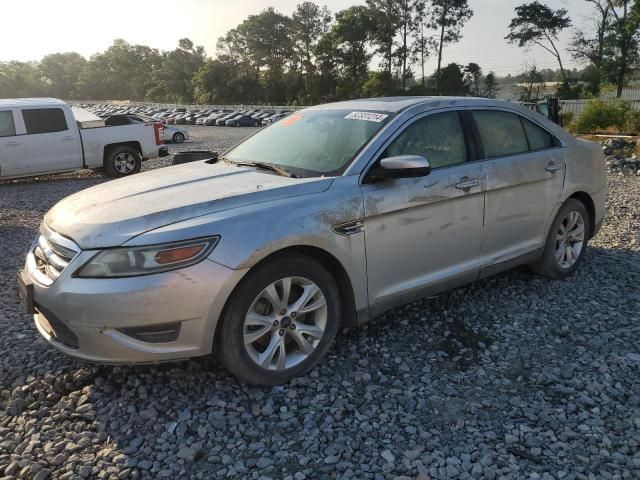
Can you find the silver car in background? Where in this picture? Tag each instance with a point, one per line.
(322, 220)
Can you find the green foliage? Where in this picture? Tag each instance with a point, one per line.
(447, 18)
(566, 119)
(538, 24)
(308, 57)
(600, 116)
(452, 81)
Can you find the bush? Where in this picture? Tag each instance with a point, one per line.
(566, 118)
(600, 116)
(632, 122)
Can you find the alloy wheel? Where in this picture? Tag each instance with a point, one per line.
(124, 163)
(285, 323)
(570, 240)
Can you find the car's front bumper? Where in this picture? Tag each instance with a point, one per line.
(93, 319)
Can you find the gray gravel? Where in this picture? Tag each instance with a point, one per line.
(511, 377)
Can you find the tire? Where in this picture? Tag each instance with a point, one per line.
(554, 263)
(178, 137)
(242, 361)
(116, 159)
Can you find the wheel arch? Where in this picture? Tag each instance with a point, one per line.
(330, 262)
(132, 144)
(584, 198)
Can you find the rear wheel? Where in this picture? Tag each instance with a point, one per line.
(280, 322)
(122, 161)
(178, 137)
(567, 241)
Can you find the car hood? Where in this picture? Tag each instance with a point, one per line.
(111, 213)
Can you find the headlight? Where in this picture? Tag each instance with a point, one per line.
(134, 261)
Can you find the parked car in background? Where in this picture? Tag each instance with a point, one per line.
(267, 259)
(43, 135)
(274, 118)
(221, 121)
(171, 133)
(175, 134)
(242, 121)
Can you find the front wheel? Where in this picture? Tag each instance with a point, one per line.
(280, 322)
(122, 161)
(178, 137)
(566, 243)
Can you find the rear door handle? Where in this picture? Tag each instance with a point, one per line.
(553, 167)
(68, 138)
(467, 183)
(12, 144)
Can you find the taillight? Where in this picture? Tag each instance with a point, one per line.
(158, 129)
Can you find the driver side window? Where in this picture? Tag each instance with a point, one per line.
(439, 138)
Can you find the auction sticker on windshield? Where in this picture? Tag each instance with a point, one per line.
(290, 120)
(368, 116)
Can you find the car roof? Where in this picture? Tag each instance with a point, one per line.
(30, 102)
(398, 104)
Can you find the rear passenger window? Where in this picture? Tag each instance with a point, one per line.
(539, 139)
(7, 127)
(44, 120)
(439, 138)
(501, 133)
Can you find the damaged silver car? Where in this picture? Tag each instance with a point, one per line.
(318, 222)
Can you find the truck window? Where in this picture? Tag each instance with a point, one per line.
(7, 128)
(44, 120)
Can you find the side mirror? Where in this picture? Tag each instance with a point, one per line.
(404, 166)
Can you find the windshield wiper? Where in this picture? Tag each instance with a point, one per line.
(265, 166)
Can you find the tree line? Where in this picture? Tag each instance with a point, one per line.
(378, 48)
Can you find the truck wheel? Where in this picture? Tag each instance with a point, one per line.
(122, 161)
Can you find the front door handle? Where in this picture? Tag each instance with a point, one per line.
(553, 167)
(467, 183)
(68, 138)
(12, 144)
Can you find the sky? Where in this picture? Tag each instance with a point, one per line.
(90, 26)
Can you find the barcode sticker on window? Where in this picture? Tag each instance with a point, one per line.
(368, 116)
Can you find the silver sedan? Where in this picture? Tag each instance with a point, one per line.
(322, 220)
(175, 134)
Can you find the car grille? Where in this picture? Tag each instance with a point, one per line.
(52, 258)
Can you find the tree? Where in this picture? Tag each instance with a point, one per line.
(421, 48)
(61, 71)
(448, 17)
(327, 65)
(269, 42)
(531, 77)
(624, 40)
(411, 16)
(473, 76)
(490, 85)
(353, 30)
(536, 23)
(451, 81)
(21, 79)
(309, 23)
(173, 78)
(384, 19)
(592, 49)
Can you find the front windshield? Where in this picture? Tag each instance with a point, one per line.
(311, 142)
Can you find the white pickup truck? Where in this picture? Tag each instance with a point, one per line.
(42, 135)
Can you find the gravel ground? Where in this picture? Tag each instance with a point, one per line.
(511, 377)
